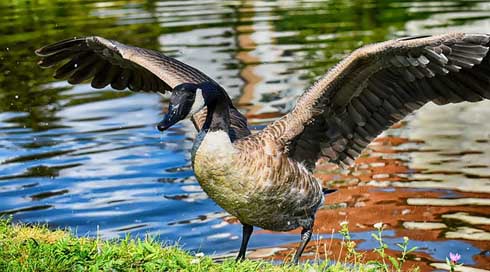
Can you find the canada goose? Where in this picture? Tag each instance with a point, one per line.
(265, 179)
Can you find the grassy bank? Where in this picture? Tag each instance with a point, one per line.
(36, 248)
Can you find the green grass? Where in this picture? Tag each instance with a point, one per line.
(36, 248)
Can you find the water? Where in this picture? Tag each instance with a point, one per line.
(91, 159)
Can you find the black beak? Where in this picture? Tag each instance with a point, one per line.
(171, 118)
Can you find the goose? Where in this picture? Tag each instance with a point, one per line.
(265, 179)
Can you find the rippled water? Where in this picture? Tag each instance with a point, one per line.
(92, 159)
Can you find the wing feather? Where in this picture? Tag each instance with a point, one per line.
(88, 52)
(378, 85)
(106, 62)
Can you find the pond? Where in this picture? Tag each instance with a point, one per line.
(92, 160)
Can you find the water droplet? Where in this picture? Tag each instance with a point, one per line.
(16, 97)
(76, 65)
(7, 49)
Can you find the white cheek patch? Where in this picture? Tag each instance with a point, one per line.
(198, 103)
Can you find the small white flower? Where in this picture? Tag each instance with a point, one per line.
(344, 223)
(194, 261)
(199, 255)
(378, 225)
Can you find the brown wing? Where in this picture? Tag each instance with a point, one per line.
(122, 66)
(109, 62)
(378, 85)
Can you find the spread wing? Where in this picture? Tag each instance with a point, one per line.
(106, 62)
(378, 85)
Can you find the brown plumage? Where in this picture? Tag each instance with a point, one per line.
(378, 85)
(265, 179)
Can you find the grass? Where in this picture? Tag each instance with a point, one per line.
(36, 248)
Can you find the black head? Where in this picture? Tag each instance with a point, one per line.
(186, 100)
(180, 105)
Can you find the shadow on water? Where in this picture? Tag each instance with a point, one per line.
(82, 158)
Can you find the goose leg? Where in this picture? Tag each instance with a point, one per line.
(247, 232)
(305, 238)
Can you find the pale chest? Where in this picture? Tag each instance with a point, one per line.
(212, 154)
(215, 167)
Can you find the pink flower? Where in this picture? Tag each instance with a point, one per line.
(455, 257)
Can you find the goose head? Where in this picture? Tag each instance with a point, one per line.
(186, 100)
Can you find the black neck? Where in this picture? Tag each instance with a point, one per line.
(218, 115)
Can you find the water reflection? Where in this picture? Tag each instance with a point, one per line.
(74, 156)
